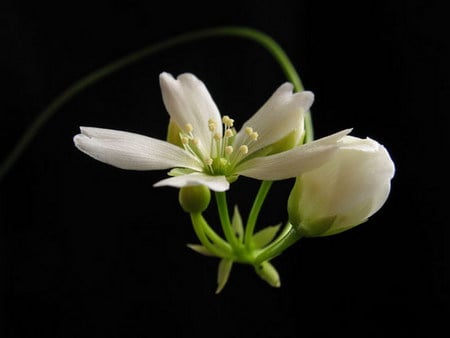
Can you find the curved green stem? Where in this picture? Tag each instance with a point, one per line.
(222, 207)
(241, 32)
(211, 234)
(277, 247)
(254, 212)
(199, 227)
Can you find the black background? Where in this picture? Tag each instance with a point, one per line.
(88, 250)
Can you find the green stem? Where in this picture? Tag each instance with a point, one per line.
(277, 247)
(254, 212)
(228, 31)
(212, 235)
(222, 207)
(199, 227)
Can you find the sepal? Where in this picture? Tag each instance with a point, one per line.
(201, 250)
(223, 273)
(265, 236)
(267, 272)
(316, 227)
(236, 224)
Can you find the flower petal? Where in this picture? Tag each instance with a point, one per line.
(293, 162)
(280, 115)
(132, 151)
(188, 101)
(216, 183)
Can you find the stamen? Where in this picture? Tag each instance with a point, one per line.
(221, 156)
(228, 133)
(228, 150)
(243, 149)
(227, 121)
(184, 140)
(211, 125)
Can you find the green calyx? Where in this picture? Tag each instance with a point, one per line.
(239, 243)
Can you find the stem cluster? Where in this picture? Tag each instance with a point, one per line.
(241, 244)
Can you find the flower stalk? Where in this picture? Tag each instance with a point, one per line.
(222, 208)
(254, 212)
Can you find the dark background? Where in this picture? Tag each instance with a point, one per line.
(88, 250)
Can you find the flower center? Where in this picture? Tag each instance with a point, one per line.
(221, 155)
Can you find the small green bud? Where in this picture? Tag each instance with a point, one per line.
(194, 198)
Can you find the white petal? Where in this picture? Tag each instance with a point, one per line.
(371, 169)
(293, 162)
(280, 115)
(132, 151)
(188, 101)
(216, 183)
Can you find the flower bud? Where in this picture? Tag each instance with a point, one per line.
(194, 198)
(344, 192)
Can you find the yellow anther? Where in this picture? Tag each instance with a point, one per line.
(188, 128)
(243, 149)
(249, 130)
(195, 141)
(228, 150)
(211, 125)
(227, 121)
(217, 136)
(223, 161)
(228, 133)
(184, 140)
(254, 136)
(209, 161)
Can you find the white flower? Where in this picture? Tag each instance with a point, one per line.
(344, 192)
(211, 153)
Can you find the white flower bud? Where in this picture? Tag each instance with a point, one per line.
(345, 191)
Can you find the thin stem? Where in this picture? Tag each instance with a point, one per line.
(222, 207)
(254, 212)
(211, 234)
(228, 31)
(277, 247)
(197, 222)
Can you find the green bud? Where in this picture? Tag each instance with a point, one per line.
(194, 198)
